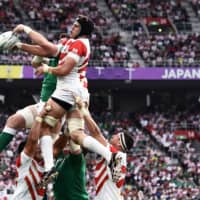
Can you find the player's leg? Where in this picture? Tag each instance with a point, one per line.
(21, 119)
(76, 131)
(46, 140)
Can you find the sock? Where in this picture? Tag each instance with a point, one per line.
(6, 136)
(95, 146)
(46, 144)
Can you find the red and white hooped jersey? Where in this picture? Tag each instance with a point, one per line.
(29, 174)
(106, 189)
(82, 69)
(79, 50)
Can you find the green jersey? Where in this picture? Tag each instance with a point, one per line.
(49, 82)
(71, 181)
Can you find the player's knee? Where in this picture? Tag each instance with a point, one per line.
(74, 148)
(75, 124)
(75, 135)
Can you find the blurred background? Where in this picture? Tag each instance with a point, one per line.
(144, 78)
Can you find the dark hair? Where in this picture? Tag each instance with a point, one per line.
(129, 140)
(87, 26)
(126, 141)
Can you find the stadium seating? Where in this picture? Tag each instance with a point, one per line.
(160, 165)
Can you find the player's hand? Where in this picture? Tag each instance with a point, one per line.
(37, 61)
(19, 28)
(45, 110)
(79, 102)
(81, 106)
(42, 69)
(39, 71)
(39, 118)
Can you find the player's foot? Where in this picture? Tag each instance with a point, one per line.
(115, 166)
(48, 177)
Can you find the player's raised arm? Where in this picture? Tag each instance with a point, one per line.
(43, 47)
(34, 135)
(90, 123)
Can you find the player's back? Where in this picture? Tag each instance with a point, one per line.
(71, 181)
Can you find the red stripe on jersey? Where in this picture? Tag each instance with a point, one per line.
(100, 175)
(39, 173)
(82, 71)
(82, 76)
(18, 161)
(30, 188)
(33, 176)
(120, 183)
(78, 47)
(123, 169)
(113, 149)
(101, 185)
(41, 191)
(85, 84)
(99, 165)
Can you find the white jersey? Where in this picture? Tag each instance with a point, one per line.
(106, 189)
(84, 83)
(70, 85)
(29, 174)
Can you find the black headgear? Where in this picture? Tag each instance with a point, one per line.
(87, 26)
(21, 147)
(126, 141)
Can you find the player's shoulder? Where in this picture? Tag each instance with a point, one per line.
(79, 47)
(83, 43)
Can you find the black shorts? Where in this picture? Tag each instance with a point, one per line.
(63, 104)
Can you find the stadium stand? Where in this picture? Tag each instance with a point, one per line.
(160, 165)
(149, 22)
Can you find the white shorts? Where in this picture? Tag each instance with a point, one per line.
(30, 112)
(85, 96)
(68, 95)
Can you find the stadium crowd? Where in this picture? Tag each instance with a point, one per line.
(160, 165)
(108, 48)
(175, 48)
